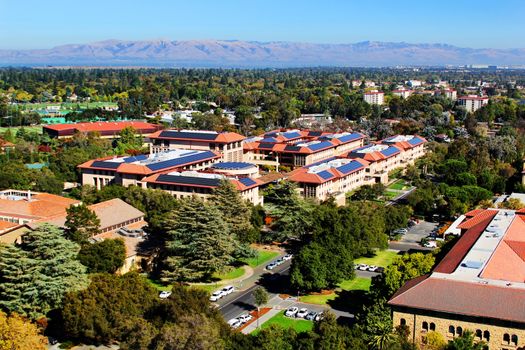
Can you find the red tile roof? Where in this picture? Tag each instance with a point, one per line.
(479, 217)
(104, 128)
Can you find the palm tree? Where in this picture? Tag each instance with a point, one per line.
(384, 339)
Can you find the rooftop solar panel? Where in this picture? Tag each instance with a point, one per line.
(232, 165)
(350, 167)
(135, 158)
(170, 163)
(390, 151)
(269, 140)
(105, 164)
(291, 135)
(315, 133)
(189, 180)
(350, 137)
(319, 146)
(415, 141)
(188, 135)
(325, 174)
(266, 145)
(291, 148)
(246, 181)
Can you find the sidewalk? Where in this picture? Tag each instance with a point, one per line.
(253, 326)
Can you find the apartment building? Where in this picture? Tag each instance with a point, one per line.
(412, 147)
(448, 93)
(473, 102)
(403, 93)
(228, 144)
(200, 184)
(382, 159)
(104, 129)
(330, 178)
(126, 171)
(478, 286)
(374, 97)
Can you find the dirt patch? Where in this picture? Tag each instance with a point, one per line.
(323, 292)
(263, 311)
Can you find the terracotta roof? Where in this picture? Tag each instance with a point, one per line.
(41, 205)
(464, 298)
(5, 225)
(473, 212)
(103, 126)
(217, 137)
(479, 217)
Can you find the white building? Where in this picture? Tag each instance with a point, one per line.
(374, 97)
(448, 93)
(473, 102)
(403, 93)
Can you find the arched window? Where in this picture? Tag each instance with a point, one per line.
(459, 331)
(425, 326)
(478, 333)
(451, 330)
(506, 338)
(403, 322)
(486, 335)
(514, 339)
(432, 326)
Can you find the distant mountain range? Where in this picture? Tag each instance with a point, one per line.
(234, 53)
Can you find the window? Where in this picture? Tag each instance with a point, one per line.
(486, 335)
(478, 333)
(425, 326)
(459, 331)
(432, 326)
(451, 330)
(402, 322)
(514, 339)
(506, 338)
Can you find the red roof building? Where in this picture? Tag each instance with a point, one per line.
(104, 129)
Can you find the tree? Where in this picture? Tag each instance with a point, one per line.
(129, 141)
(17, 333)
(434, 341)
(105, 256)
(199, 244)
(261, 297)
(512, 203)
(465, 342)
(81, 223)
(50, 269)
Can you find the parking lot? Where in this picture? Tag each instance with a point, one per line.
(412, 239)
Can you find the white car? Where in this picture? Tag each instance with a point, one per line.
(363, 267)
(228, 290)
(302, 313)
(291, 311)
(319, 317)
(372, 268)
(245, 318)
(287, 257)
(216, 295)
(234, 323)
(271, 266)
(431, 244)
(164, 294)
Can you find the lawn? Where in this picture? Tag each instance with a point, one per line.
(210, 288)
(264, 256)
(158, 284)
(358, 283)
(398, 185)
(234, 273)
(300, 325)
(390, 194)
(35, 128)
(381, 258)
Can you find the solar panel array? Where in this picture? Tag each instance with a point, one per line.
(232, 165)
(135, 158)
(246, 181)
(315, 133)
(415, 141)
(266, 145)
(350, 167)
(390, 151)
(170, 163)
(188, 135)
(320, 145)
(292, 148)
(325, 174)
(350, 137)
(189, 180)
(105, 164)
(291, 135)
(269, 140)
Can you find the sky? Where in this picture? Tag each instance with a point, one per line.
(32, 24)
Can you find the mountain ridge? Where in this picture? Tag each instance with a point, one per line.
(239, 53)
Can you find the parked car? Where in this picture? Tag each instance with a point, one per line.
(228, 290)
(278, 262)
(311, 316)
(372, 268)
(430, 244)
(245, 318)
(216, 295)
(302, 313)
(319, 317)
(401, 231)
(380, 269)
(234, 323)
(164, 294)
(287, 257)
(271, 266)
(363, 267)
(291, 312)
(52, 341)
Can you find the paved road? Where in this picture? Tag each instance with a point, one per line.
(412, 239)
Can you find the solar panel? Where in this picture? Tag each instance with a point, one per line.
(350, 137)
(415, 141)
(135, 158)
(291, 135)
(350, 167)
(232, 165)
(188, 135)
(325, 174)
(266, 145)
(319, 146)
(269, 140)
(170, 163)
(189, 180)
(315, 133)
(105, 165)
(291, 148)
(246, 181)
(390, 151)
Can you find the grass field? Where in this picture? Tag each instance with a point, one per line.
(37, 129)
(398, 185)
(300, 325)
(358, 283)
(159, 285)
(390, 194)
(210, 288)
(264, 257)
(67, 105)
(381, 258)
(234, 273)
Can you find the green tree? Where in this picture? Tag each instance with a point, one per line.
(81, 223)
(465, 342)
(199, 244)
(105, 256)
(261, 297)
(129, 141)
(51, 269)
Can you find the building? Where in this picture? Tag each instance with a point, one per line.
(104, 129)
(228, 144)
(478, 286)
(382, 159)
(374, 97)
(298, 148)
(330, 178)
(5, 146)
(414, 83)
(451, 94)
(473, 102)
(126, 171)
(403, 93)
(413, 147)
(236, 169)
(202, 184)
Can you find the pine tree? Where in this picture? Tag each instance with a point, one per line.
(35, 277)
(200, 242)
(235, 211)
(81, 223)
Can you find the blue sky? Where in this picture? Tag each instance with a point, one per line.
(466, 23)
